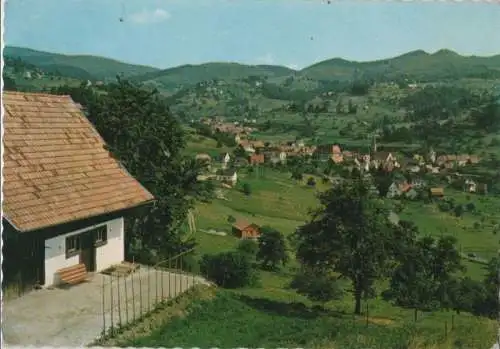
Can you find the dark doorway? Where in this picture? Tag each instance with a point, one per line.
(23, 262)
(87, 251)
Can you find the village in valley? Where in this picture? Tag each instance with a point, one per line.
(223, 167)
(187, 200)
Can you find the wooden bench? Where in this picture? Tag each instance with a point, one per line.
(73, 275)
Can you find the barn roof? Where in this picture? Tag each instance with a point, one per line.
(56, 169)
(241, 224)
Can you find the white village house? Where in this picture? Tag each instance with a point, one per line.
(65, 197)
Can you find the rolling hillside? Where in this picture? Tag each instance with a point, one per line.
(439, 65)
(189, 75)
(77, 66)
(415, 65)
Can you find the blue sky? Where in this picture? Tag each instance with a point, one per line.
(295, 33)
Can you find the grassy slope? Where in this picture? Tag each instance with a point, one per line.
(278, 201)
(188, 75)
(97, 67)
(240, 319)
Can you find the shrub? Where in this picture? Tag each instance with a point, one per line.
(229, 269)
(459, 209)
(247, 189)
(248, 247)
(471, 207)
(311, 182)
(231, 219)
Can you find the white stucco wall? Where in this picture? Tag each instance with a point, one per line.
(111, 253)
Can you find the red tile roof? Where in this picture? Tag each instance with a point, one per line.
(56, 169)
(241, 224)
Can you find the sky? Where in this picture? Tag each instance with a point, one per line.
(293, 33)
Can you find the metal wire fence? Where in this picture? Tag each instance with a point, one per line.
(131, 293)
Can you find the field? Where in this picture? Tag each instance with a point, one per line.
(272, 315)
(199, 144)
(276, 200)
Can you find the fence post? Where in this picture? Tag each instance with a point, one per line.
(445, 329)
(367, 314)
(103, 307)
(169, 277)
(156, 284)
(175, 278)
(119, 303)
(162, 291)
(140, 292)
(112, 304)
(452, 321)
(133, 297)
(149, 288)
(182, 274)
(126, 300)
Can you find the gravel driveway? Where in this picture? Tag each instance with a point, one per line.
(74, 316)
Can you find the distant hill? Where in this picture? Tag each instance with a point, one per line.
(416, 65)
(443, 64)
(188, 75)
(77, 66)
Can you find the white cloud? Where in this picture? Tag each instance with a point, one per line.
(293, 66)
(148, 16)
(268, 58)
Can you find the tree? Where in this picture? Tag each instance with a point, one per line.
(311, 182)
(239, 152)
(458, 210)
(490, 305)
(228, 269)
(272, 248)
(247, 189)
(424, 277)
(467, 295)
(349, 234)
(297, 175)
(351, 107)
(9, 84)
(488, 116)
(318, 287)
(412, 284)
(383, 180)
(248, 247)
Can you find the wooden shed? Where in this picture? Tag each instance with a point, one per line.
(245, 230)
(436, 192)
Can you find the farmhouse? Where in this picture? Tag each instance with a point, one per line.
(228, 176)
(65, 197)
(245, 230)
(256, 159)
